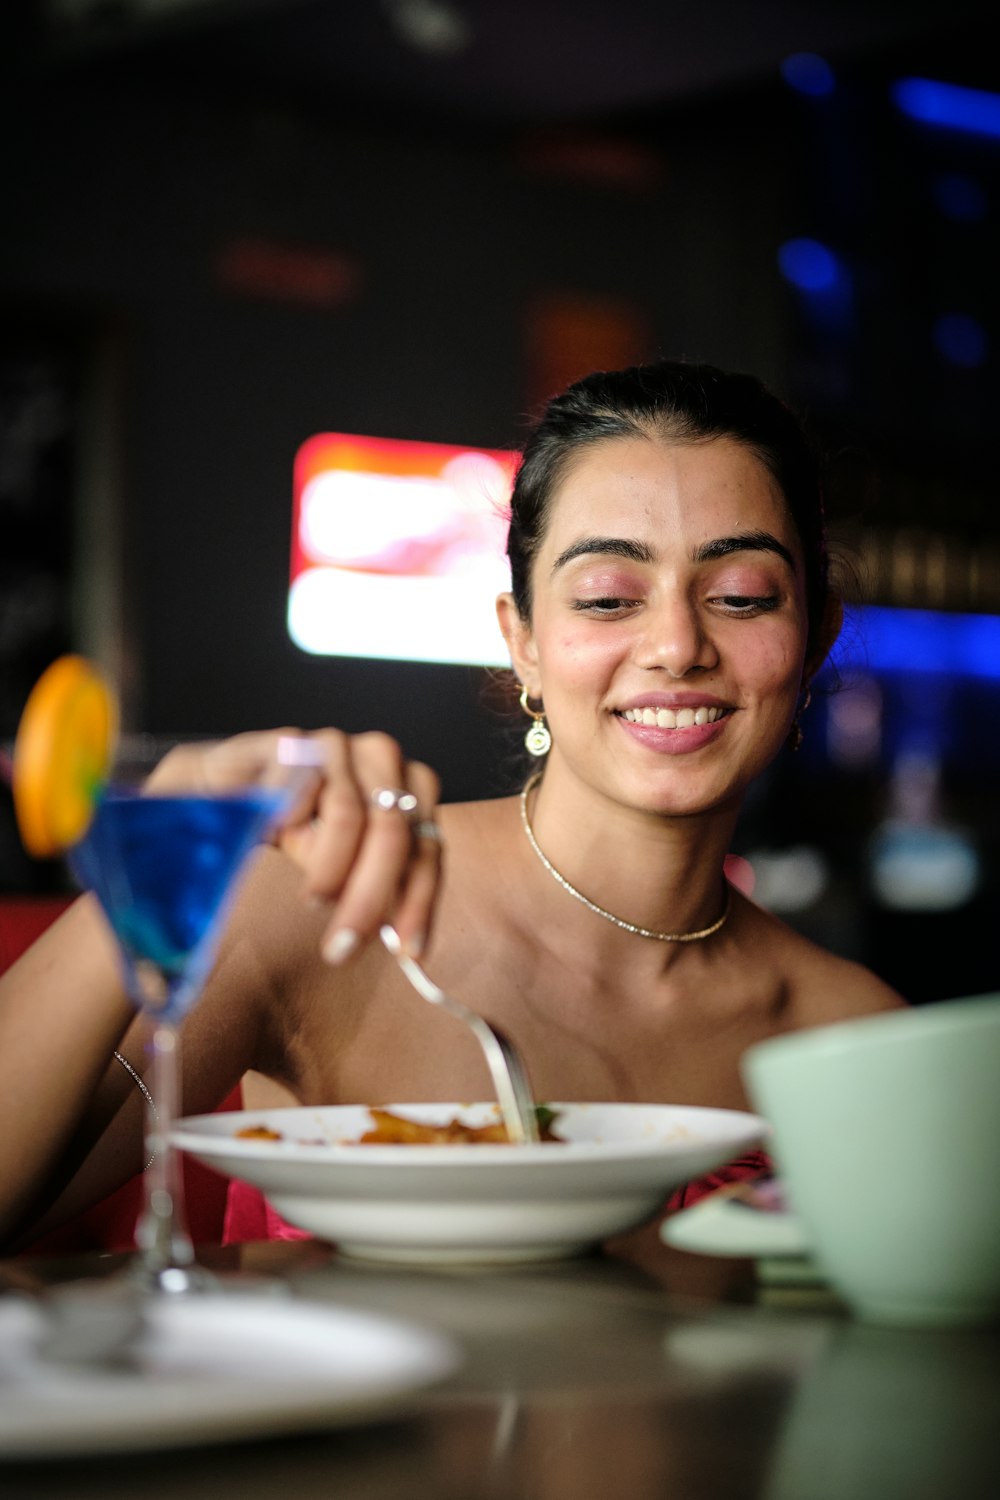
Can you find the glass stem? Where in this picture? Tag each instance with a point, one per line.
(161, 1233)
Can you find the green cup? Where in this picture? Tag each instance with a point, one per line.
(887, 1136)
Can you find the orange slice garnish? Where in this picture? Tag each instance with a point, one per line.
(62, 755)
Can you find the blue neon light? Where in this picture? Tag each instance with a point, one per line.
(808, 73)
(809, 265)
(949, 105)
(877, 639)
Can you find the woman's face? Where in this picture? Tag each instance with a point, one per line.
(668, 632)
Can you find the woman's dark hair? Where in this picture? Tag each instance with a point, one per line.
(675, 402)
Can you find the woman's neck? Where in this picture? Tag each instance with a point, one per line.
(652, 871)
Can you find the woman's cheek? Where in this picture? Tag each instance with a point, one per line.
(577, 657)
(783, 659)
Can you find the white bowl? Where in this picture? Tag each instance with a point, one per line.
(486, 1203)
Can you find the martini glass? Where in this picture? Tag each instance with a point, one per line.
(164, 869)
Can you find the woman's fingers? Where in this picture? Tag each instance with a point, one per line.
(222, 765)
(360, 824)
(415, 903)
(357, 846)
(327, 846)
(388, 862)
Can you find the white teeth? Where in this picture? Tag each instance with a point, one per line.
(668, 718)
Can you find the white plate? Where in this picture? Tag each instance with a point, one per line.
(214, 1368)
(725, 1225)
(472, 1202)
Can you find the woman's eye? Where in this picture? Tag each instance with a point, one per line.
(747, 604)
(603, 606)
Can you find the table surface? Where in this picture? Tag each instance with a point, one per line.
(599, 1380)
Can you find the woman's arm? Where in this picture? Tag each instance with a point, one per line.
(103, 1145)
(70, 1115)
(63, 1011)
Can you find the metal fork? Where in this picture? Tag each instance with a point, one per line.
(510, 1079)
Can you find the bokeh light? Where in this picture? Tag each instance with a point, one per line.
(810, 265)
(961, 340)
(959, 197)
(808, 73)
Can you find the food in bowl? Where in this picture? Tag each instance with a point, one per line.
(391, 1129)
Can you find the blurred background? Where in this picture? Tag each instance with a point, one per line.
(231, 225)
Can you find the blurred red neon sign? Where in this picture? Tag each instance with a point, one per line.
(398, 549)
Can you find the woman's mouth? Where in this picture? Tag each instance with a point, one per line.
(674, 718)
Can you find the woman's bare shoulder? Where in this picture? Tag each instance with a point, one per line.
(484, 812)
(480, 839)
(820, 985)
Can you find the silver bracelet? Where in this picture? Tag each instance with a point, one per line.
(140, 1084)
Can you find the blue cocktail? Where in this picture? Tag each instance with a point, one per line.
(163, 866)
(164, 869)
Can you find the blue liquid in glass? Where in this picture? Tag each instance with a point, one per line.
(163, 869)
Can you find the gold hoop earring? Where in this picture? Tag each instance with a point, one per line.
(538, 740)
(795, 735)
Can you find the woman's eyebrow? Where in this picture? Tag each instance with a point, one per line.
(640, 552)
(745, 541)
(614, 546)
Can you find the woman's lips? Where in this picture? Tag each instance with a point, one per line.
(674, 718)
(674, 731)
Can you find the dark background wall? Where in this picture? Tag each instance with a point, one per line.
(124, 211)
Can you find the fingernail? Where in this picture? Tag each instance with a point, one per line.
(416, 944)
(390, 938)
(340, 945)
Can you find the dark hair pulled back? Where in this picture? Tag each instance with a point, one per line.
(675, 402)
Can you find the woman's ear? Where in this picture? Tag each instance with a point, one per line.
(826, 634)
(520, 643)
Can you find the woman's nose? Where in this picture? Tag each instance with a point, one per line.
(675, 639)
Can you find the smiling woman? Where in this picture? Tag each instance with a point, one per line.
(675, 636)
(669, 604)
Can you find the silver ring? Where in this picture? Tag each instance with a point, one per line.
(394, 799)
(426, 828)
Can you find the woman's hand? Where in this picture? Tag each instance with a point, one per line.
(372, 863)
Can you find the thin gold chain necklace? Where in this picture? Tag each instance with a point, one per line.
(609, 916)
